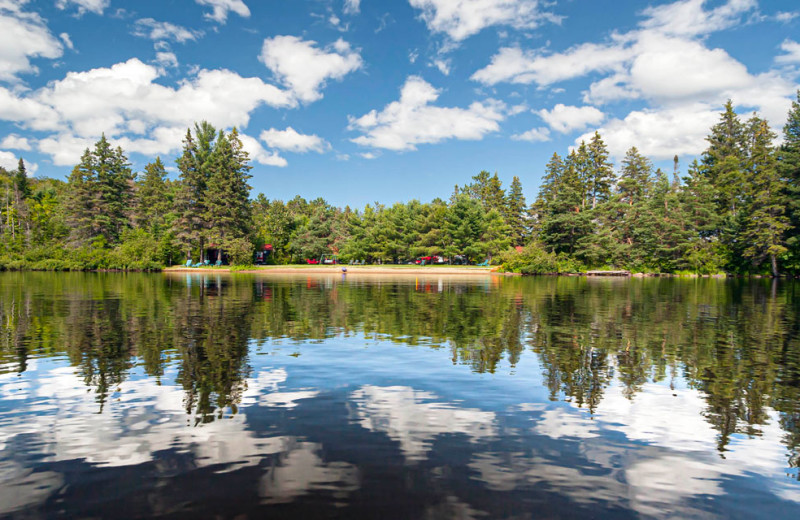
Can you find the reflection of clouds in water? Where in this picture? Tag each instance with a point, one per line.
(509, 471)
(62, 423)
(558, 423)
(657, 485)
(677, 423)
(677, 462)
(301, 471)
(408, 417)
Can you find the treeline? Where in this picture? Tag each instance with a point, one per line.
(737, 211)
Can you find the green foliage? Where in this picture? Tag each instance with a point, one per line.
(532, 259)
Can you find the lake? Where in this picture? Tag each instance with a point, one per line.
(239, 396)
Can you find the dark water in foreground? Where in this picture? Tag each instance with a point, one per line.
(306, 397)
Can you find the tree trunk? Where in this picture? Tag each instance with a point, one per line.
(774, 261)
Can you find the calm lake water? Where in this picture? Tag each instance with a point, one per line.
(134, 395)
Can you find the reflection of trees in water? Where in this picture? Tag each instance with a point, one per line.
(735, 341)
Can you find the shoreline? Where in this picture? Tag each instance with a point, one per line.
(351, 270)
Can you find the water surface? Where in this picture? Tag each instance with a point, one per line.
(313, 397)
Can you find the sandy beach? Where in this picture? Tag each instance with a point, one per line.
(414, 270)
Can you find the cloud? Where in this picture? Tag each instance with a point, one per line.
(304, 68)
(414, 418)
(15, 142)
(10, 162)
(221, 8)
(786, 16)
(167, 59)
(792, 50)
(460, 19)
(659, 133)
(259, 155)
(688, 18)
(514, 65)
(155, 30)
(67, 40)
(292, 141)
(562, 118)
(533, 135)
(126, 102)
(442, 65)
(94, 6)
(23, 36)
(412, 120)
(665, 62)
(352, 6)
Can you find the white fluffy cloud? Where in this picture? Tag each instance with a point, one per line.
(562, 118)
(514, 65)
(23, 36)
(352, 6)
(126, 102)
(304, 68)
(259, 154)
(533, 135)
(293, 141)
(412, 120)
(665, 62)
(10, 161)
(15, 142)
(659, 133)
(155, 30)
(94, 6)
(688, 18)
(460, 19)
(221, 8)
(792, 52)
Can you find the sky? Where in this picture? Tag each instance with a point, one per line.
(359, 101)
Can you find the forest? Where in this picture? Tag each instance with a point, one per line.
(736, 211)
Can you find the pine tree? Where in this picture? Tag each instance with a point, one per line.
(765, 225)
(789, 169)
(227, 203)
(99, 195)
(565, 222)
(190, 202)
(723, 161)
(601, 176)
(635, 179)
(515, 213)
(152, 198)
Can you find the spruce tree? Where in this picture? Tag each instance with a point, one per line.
(152, 198)
(601, 176)
(765, 223)
(515, 212)
(190, 225)
(789, 169)
(227, 203)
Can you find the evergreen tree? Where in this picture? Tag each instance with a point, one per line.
(153, 200)
(723, 161)
(227, 204)
(789, 169)
(601, 176)
(635, 178)
(765, 225)
(190, 200)
(100, 190)
(515, 213)
(565, 222)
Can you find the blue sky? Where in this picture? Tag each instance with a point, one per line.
(359, 101)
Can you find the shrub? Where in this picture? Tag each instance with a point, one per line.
(532, 259)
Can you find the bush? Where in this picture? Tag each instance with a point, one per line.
(239, 251)
(532, 259)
